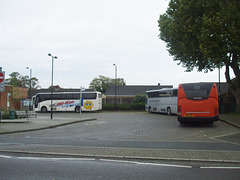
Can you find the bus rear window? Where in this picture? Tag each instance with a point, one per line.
(197, 91)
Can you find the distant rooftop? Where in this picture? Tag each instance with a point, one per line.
(132, 90)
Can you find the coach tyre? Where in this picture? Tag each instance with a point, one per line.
(149, 109)
(43, 109)
(169, 111)
(77, 109)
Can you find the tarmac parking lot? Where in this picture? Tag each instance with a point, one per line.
(145, 126)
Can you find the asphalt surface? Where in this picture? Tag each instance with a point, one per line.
(114, 135)
(24, 168)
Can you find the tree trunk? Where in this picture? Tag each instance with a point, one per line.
(234, 84)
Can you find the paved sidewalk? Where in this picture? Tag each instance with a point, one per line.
(233, 119)
(126, 153)
(39, 123)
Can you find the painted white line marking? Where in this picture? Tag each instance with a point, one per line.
(30, 158)
(225, 135)
(7, 157)
(57, 159)
(165, 165)
(142, 163)
(118, 161)
(74, 159)
(216, 138)
(215, 167)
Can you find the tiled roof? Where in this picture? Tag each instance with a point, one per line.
(141, 89)
(132, 90)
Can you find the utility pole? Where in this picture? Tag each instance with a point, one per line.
(115, 99)
(2, 89)
(53, 57)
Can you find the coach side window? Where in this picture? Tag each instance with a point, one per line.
(175, 92)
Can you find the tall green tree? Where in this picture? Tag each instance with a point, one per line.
(204, 35)
(18, 80)
(102, 83)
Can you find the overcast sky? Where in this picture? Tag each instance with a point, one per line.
(88, 37)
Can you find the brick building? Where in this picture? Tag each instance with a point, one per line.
(12, 96)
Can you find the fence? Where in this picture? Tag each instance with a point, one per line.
(230, 108)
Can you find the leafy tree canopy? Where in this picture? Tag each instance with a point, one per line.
(56, 87)
(205, 35)
(18, 80)
(102, 83)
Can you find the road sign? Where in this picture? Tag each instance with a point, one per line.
(1, 76)
(27, 102)
(2, 84)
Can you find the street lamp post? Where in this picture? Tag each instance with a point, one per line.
(30, 85)
(219, 89)
(29, 91)
(115, 100)
(53, 57)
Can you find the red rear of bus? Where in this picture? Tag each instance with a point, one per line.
(198, 102)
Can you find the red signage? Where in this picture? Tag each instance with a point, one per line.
(1, 77)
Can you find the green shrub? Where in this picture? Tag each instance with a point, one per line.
(108, 107)
(138, 106)
(138, 103)
(111, 107)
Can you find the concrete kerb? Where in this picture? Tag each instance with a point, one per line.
(230, 123)
(120, 157)
(45, 127)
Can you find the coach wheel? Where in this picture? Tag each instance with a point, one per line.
(181, 122)
(43, 109)
(149, 109)
(169, 111)
(77, 109)
(211, 122)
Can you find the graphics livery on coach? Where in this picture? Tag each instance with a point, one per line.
(66, 101)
